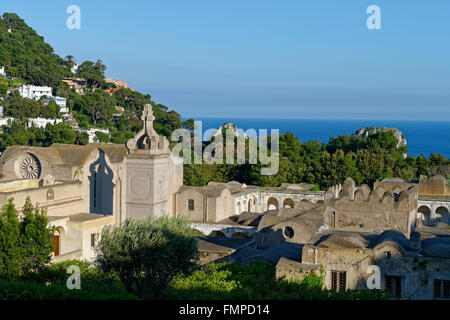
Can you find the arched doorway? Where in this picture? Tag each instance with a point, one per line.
(320, 202)
(238, 208)
(443, 215)
(57, 239)
(305, 201)
(272, 204)
(425, 213)
(288, 203)
(240, 235)
(217, 233)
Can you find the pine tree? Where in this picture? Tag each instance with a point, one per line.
(10, 255)
(36, 238)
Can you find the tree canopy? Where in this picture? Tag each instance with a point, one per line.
(147, 254)
(26, 244)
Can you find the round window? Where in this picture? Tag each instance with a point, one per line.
(288, 232)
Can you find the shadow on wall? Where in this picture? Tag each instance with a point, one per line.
(101, 186)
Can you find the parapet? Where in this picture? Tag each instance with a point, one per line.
(434, 186)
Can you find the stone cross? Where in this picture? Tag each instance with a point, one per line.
(148, 118)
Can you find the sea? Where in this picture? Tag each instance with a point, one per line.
(422, 137)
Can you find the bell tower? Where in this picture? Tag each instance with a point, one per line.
(147, 166)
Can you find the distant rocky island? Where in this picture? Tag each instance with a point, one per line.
(367, 131)
(230, 127)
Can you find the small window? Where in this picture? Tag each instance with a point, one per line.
(191, 204)
(312, 256)
(394, 285)
(288, 232)
(93, 239)
(50, 194)
(441, 289)
(338, 280)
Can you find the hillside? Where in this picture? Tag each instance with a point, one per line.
(26, 55)
(29, 59)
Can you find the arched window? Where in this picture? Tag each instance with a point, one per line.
(272, 204)
(50, 194)
(288, 203)
(443, 215)
(425, 214)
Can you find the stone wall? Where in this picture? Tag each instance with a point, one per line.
(377, 210)
(434, 186)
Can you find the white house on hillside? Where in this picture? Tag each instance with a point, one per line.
(2, 71)
(60, 101)
(42, 122)
(91, 133)
(34, 92)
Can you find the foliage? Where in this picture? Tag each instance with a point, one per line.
(25, 54)
(92, 279)
(102, 137)
(19, 134)
(97, 105)
(36, 291)
(22, 108)
(365, 159)
(25, 244)
(94, 73)
(227, 281)
(147, 254)
(10, 258)
(36, 238)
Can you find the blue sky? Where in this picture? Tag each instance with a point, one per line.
(263, 59)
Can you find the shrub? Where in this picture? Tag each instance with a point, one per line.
(92, 279)
(147, 254)
(37, 291)
(255, 282)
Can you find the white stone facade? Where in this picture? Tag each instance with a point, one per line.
(34, 92)
(42, 122)
(85, 188)
(92, 135)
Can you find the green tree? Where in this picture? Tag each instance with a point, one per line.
(26, 55)
(50, 110)
(36, 238)
(94, 73)
(147, 254)
(10, 253)
(102, 137)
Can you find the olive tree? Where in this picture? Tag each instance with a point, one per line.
(147, 254)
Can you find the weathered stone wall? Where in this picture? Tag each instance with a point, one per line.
(417, 274)
(60, 199)
(354, 261)
(295, 271)
(199, 212)
(434, 186)
(372, 211)
(263, 200)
